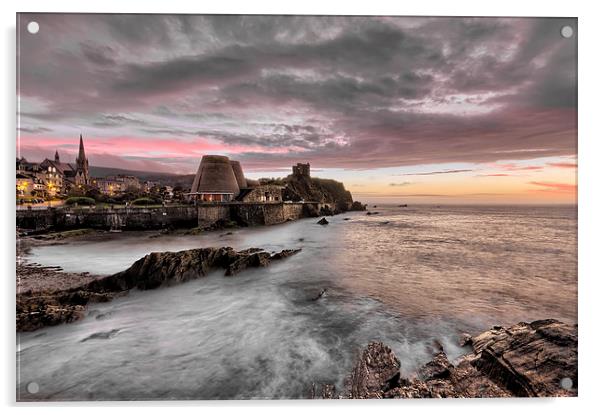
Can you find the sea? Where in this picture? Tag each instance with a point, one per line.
(411, 277)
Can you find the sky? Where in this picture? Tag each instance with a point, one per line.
(414, 109)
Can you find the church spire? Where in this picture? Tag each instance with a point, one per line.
(82, 154)
(57, 159)
(82, 169)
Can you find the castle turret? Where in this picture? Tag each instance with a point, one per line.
(301, 170)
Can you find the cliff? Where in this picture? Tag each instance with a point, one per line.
(318, 190)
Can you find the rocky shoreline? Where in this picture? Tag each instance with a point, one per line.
(537, 359)
(46, 296)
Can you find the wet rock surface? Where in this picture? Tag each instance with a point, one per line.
(527, 359)
(49, 302)
(376, 372)
(530, 359)
(35, 278)
(438, 368)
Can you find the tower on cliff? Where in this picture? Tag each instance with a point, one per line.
(301, 170)
(82, 174)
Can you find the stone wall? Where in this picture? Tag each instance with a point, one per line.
(292, 211)
(210, 213)
(253, 214)
(115, 219)
(35, 219)
(245, 214)
(273, 214)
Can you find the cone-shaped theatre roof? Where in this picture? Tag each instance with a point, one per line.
(240, 176)
(215, 175)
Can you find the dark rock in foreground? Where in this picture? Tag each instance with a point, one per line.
(530, 359)
(376, 372)
(438, 368)
(322, 221)
(40, 308)
(527, 359)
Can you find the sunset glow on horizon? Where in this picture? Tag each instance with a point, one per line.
(401, 110)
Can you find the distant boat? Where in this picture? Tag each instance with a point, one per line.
(404, 205)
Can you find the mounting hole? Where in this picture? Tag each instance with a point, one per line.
(33, 27)
(566, 32)
(566, 384)
(33, 387)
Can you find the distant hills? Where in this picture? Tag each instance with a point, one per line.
(165, 179)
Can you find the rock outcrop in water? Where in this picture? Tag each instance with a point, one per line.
(46, 307)
(358, 206)
(528, 359)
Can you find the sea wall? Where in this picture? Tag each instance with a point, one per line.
(210, 213)
(245, 214)
(250, 214)
(108, 219)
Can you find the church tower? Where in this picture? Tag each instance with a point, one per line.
(82, 175)
(57, 159)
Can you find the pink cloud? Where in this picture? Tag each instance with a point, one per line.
(515, 167)
(555, 187)
(139, 146)
(563, 165)
(138, 153)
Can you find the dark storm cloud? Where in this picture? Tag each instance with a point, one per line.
(354, 92)
(98, 54)
(181, 73)
(139, 30)
(361, 53)
(46, 116)
(168, 131)
(35, 130)
(116, 120)
(335, 93)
